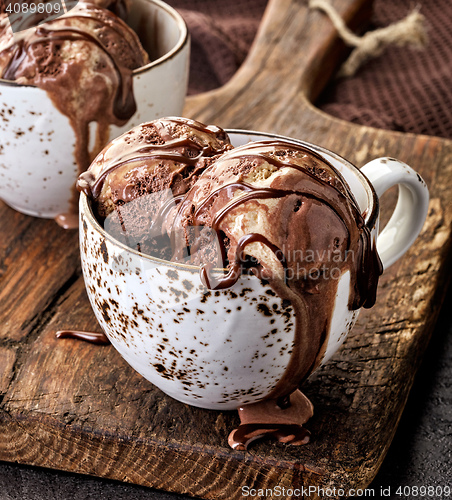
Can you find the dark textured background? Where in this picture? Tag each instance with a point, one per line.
(404, 89)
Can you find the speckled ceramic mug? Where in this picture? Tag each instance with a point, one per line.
(225, 348)
(37, 165)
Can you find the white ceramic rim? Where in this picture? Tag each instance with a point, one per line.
(181, 42)
(370, 217)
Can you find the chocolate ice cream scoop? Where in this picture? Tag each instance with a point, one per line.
(282, 212)
(145, 172)
(84, 60)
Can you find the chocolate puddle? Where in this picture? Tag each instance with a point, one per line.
(268, 419)
(67, 221)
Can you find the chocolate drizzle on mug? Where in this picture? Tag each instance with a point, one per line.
(315, 183)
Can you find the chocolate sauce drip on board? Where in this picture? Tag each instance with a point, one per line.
(91, 337)
(245, 434)
(282, 420)
(311, 299)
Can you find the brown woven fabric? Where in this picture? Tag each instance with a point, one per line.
(404, 89)
(221, 32)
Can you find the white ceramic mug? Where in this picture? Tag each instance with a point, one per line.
(203, 347)
(37, 165)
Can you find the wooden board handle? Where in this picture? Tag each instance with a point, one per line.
(294, 54)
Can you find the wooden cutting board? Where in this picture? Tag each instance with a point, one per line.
(77, 407)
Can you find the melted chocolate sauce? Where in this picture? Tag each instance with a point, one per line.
(235, 271)
(282, 420)
(312, 299)
(67, 221)
(292, 434)
(283, 402)
(91, 337)
(194, 124)
(184, 150)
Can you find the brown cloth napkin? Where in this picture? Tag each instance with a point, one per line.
(221, 35)
(403, 89)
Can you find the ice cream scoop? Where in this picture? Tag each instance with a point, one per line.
(142, 174)
(84, 60)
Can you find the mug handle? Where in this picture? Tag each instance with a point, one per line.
(411, 209)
